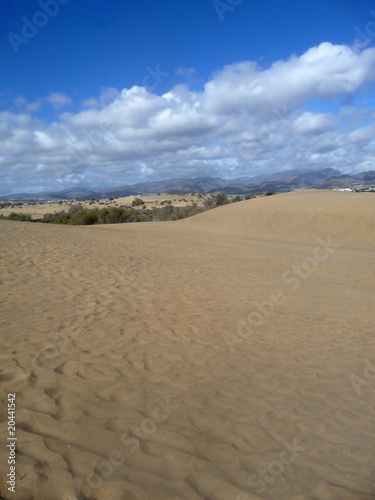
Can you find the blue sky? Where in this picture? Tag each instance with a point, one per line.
(97, 93)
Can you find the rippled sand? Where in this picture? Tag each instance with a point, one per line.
(230, 356)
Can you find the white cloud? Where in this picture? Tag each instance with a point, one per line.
(246, 121)
(20, 101)
(185, 72)
(107, 95)
(34, 106)
(58, 100)
(363, 135)
(314, 123)
(91, 102)
(324, 71)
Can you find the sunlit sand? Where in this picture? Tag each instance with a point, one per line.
(229, 356)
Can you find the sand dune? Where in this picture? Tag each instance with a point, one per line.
(229, 356)
(303, 215)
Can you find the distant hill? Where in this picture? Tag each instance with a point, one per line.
(280, 182)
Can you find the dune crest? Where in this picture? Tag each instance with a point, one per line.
(300, 215)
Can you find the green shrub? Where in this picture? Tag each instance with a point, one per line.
(19, 217)
(142, 218)
(47, 218)
(84, 217)
(137, 201)
(62, 219)
(75, 208)
(209, 202)
(167, 212)
(236, 198)
(113, 215)
(220, 200)
(187, 211)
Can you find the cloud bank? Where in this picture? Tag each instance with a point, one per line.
(247, 120)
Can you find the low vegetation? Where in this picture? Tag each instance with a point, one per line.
(80, 216)
(137, 202)
(19, 217)
(221, 199)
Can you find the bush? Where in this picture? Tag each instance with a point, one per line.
(84, 217)
(236, 198)
(75, 208)
(209, 202)
(220, 200)
(62, 219)
(167, 212)
(187, 211)
(48, 218)
(137, 201)
(142, 218)
(19, 217)
(112, 215)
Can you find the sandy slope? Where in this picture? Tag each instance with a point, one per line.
(302, 216)
(211, 358)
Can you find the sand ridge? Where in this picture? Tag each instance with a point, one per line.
(149, 361)
(302, 215)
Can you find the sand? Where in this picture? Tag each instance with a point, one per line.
(229, 356)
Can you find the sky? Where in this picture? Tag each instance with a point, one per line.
(100, 94)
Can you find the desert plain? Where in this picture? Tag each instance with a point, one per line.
(228, 356)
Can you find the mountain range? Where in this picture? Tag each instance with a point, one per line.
(326, 178)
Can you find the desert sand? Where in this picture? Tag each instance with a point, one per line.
(229, 356)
